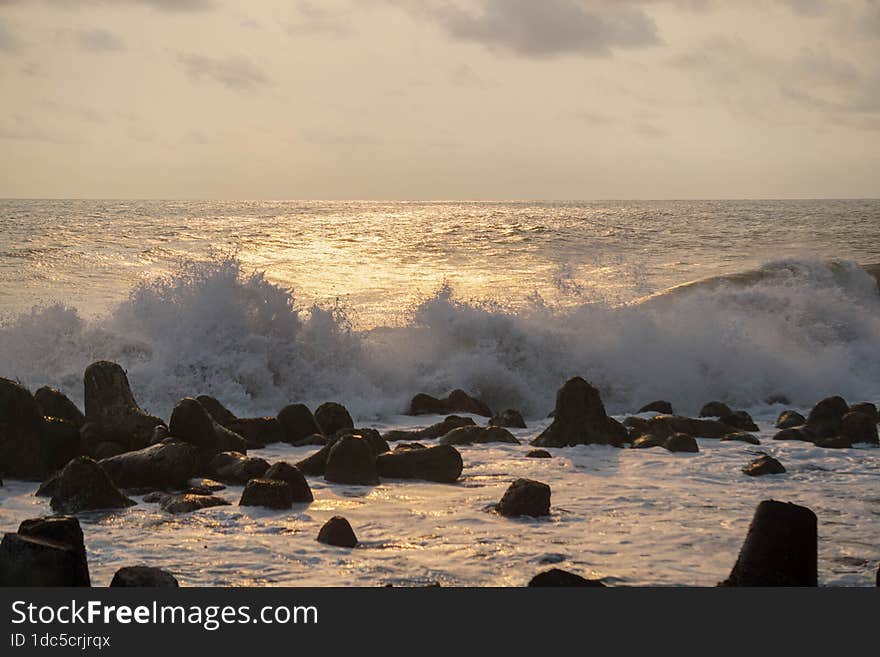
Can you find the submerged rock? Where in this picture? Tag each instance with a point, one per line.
(742, 436)
(297, 423)
(648, 441)
(189, 502)
(663, 407)
(332, 417)
(338, 532)
(54, 403)
(764, 465)
(299, 487)
(269, 493)
(234, 468)
(84, 486)
(434, 431)
(789, 419)
(144, 576)
(164, 466)
(441, 463)
(478, 435)
(559, 577)
(350, 460)
(36, 561)
(580, 419)
(508, 418)
(780, 548)
(525, 497)
(458, 401)
(538, 454)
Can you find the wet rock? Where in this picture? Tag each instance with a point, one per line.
(164, 466)
(826, 416)
(715, 409)
(189, 502)
(216, 410)
(664, 426)
(525, 497)
(834, 442)
(299, 487)
(539, 454)
(802, 433)
(315, 464)
(372, 437)
(458, 401)
(106, 450)
(297, 423)
(111, 407)
(258, 431)
(764, 465)
(237, 469)
(663, 407)
(206, 485)
(54, 403)
(35, 561)
(477, 436)
(681, 442)
(558, 577)
(58, 529)
(789, 419)
(269, 493)
(441, 463)
(740, 420)
(508, 418)
(580, 419)
(144, 577)
(160, 433)
(434, 431)
(648, 441)
(780, 548)
(338, 532)
(867, 408)
(742, 436)
(332, 417)
(638, 424)
(315, 439)
(191, 423)
(84, 486)
(403, 447)
(858, 427)
(351, 461)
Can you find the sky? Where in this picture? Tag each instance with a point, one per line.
(439, 99)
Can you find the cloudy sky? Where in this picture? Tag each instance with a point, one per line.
(440, 99)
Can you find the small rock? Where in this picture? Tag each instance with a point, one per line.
(826, 416)
(434, 431)
(144, 576)
(332, 417)
(867, 408)
(441, 463)
(740, 420)
(802, 433)
(764, 465)
(539, 454)
(258, 431)
(189, 502)
(216, 410)
(270, 493)
(681, 442)
(663, 407)
(647, 441)
(35, 561)
(580, 419)
(237, 469)
(743, 437)
(715, 409)
(337, 531)
(858, 427)
(558, 577)
(54, 403)
(457, 401)
(297, 423)
(351, 461)
(789, 419)
(509, 418)
(60, 529)
(83, 486)
(478, 435)
(525, 497)
(299, 487)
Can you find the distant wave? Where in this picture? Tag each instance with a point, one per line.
(800, 328)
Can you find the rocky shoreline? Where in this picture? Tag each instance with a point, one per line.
(100, 458)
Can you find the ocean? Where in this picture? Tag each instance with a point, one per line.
(367, 303)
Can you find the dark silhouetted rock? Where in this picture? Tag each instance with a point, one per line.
(509, 418)
(458, 401)
(867, 408)
(258, 431)
(204, 486)
(191, 423)
(297, 423)
(315, 464)
(59, 529)
(235, 468)
(84, 486)
(332, 417)
(315, 439)
(351, 461)
(739, 420)
(164, 466)
(525, 497)
(441, 463)
(858, 427)
(681, 442)
(825, 417)
(144, 577)
(834, 442)
(111, 407)
(216, 410)
(664, 426)
(663, 407)
(802, 433)
(538, 454)
(743, 437)
(478, 435)
(434, 431)
(189, 502)
(580, 419)
(764, 465)
(715, 409)
(372, 437)
(777, 399)
(54, 403)
(337, 531)
(269, 493)
(558, 577)
(35, 561)
(648, 441)
(299, 487)
(780, 548)
(403, 447)
(789, 419)
(637, 424)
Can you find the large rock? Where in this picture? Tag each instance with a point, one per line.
(780, 548)
(191, 423)
(457, 401)
(110, 405)
(84, 486)
(441, 463)
(789, 419)
(297, 423)
(580, 419)
(337, 531)
(143, 577)
(258, 431)
(299, 487)
(434, 431)
(269, 493)
(59, 529)
(509, 418)
(332, 417)
(236, 468)
(54, 403)
(660, 406)
(558, 577)
(165, 466)
(351, 461)
(764, 465)
(525, 497)
(216, 410)
(858, 427)
(868, 408)
(826, 416)
(478, 435)
(35, 561)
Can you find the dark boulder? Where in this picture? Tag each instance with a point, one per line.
(337, 531)
(478, 435)
(867, 408)
(203, 486)
(36, 561)
(144, 577)
(458, 401)
(315, 439)
(54, 403)
(665, 425)
(525, 497)
(802, 433)
(739, 420)
(579, 418)
(372, 437)
(84, 486)
(403, 447)
(834, 442)
(434, 431)
(59, 529)
(715, 409)
(764, 465)
(269, 493)
(258, 431)
(191, 423)
(742, 436)
(441, 463)
(332, 417)
(299, 487)
(216, 410)
(681, 442)
(558, 577)
(111, 407)
(509, 418)
(663, 407)
(237, 469)
(297, 423)
(780, 548)
(636, 425)
(351, 460)
(648, 441)
(825, 417)
(789, 419)
(315, 464)
(538, 454)
(858, 427)
(189, 502)
(164, 466)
